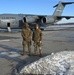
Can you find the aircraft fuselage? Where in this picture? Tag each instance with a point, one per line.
(11, 20)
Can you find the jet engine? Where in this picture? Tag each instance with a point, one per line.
(29, 19)
(48, 19)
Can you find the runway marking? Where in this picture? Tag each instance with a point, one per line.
(4, 40)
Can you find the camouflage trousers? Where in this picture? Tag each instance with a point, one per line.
(28, 43)
(36, 46)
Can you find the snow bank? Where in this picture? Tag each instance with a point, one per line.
(60, 63)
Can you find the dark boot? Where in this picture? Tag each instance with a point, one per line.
(23, 54)
(30, 54)
(40, 55)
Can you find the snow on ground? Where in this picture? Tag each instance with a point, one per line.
(60, 63)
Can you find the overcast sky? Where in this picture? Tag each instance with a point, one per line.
(39, 7)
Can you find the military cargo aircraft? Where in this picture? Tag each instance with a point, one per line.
(10, 21)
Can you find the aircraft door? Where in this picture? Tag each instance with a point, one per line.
(8, 24)
(8, 27)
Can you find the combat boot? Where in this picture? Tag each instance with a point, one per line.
(40, 55)
(30, 54)
(23, 54)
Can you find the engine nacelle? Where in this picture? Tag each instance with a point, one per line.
(29, 19)
(48, 19)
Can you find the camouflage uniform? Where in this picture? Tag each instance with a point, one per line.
(37, 37)
(26, 34)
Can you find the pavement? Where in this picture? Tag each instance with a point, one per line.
(11, 48)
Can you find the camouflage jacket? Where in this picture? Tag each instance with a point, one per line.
(37, 35)
(26, 34)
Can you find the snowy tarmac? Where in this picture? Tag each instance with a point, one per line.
(11, 48)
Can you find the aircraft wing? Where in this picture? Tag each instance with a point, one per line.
(67, 17)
